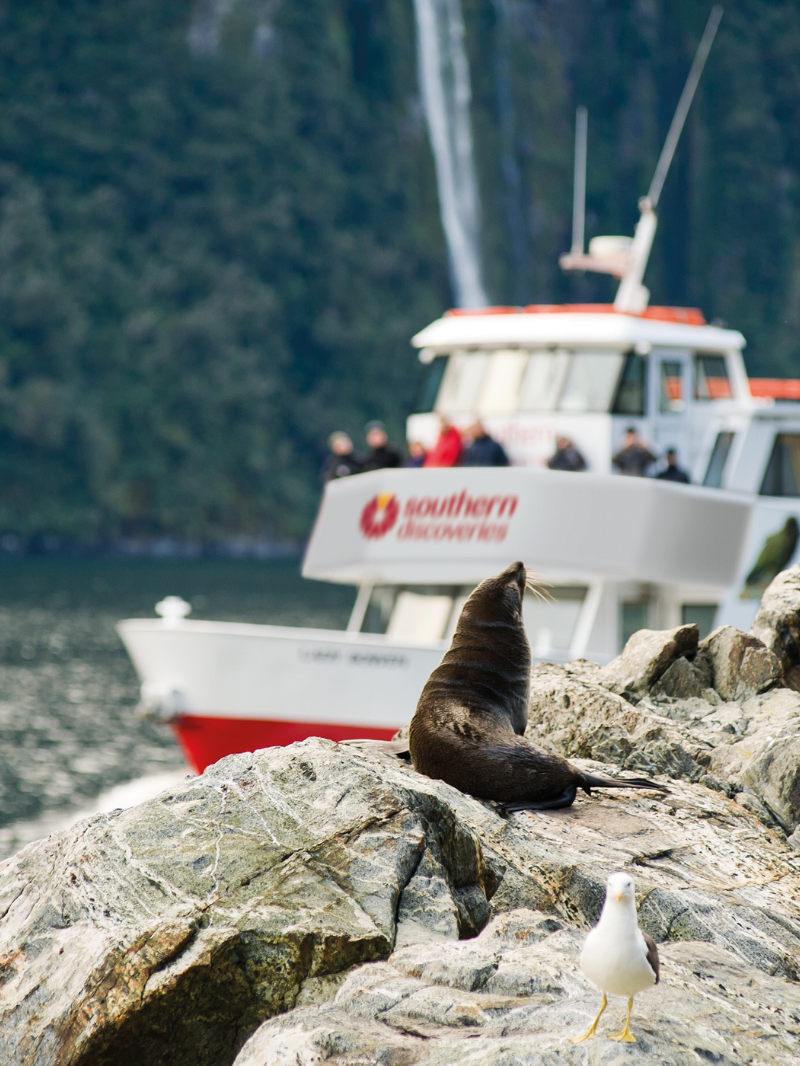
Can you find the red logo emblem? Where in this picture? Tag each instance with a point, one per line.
(379, 515)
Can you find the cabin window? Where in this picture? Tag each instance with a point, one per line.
(462, 381)
(719, 456)
(430, 384)
(632, 389)
(550, 623)
(782, 476)
(633, 617)
(670, 394)
(379, 609)
(591, 381)
(417, 616)
(501, 386)
(711, 381)
(410, 612)
(700, 614)
(542, 381)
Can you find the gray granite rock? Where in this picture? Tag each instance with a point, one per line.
(647, 655)
(681, 680)
(572, 713)
(762, 756)
(777, 623)
(324, 902)
(750, 744)
(165, 933)
(740, 665)
(168, 933)
(510, 998)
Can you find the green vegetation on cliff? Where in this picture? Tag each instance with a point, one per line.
(219, 226)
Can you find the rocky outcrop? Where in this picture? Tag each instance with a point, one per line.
(646, 656)
(716, 712)
(737, 665)
(324, 902)
(777, 623)
(165, 933)
(278, 884)
(515, 995)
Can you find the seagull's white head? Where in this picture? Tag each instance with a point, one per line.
(619, 888)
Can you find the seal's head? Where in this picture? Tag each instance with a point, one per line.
(499, 598)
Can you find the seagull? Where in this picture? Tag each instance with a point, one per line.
(617, 956)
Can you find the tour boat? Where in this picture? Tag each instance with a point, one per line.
(618, 553)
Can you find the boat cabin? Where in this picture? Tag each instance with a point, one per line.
(587, 373)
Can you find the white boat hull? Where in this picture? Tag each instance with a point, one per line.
(226, 686)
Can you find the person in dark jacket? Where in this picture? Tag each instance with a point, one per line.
(566, 456)
(634, 456)
(381, 454)
(342, 460)
(483, 450)
(672, 472)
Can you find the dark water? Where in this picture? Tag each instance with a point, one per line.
(67, 688)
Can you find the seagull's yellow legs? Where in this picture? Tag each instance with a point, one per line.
(593, 1026)
(626, 1034)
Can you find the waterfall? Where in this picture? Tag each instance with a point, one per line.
(445, 88)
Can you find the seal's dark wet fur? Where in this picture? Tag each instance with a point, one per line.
(469, 723)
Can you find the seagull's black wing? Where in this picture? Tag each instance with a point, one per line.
(652, 954)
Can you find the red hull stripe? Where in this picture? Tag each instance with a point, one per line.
(205, 740)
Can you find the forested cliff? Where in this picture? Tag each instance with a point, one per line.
(219, 226)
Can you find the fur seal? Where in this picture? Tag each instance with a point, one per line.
(469, 723)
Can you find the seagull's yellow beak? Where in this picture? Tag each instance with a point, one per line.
(619, 896)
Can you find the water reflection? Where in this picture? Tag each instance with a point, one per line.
(67, 688)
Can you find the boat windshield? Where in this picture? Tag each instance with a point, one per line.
(429, 613)
(591, 381)
(430, 384)
(507, 381)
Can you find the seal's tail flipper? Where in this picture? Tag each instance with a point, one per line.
(588, 782)
(566, 799)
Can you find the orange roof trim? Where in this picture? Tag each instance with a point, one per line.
(775, 388)
(689, 316)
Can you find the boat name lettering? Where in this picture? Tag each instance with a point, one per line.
(482, 531)
(317, 655)
(358, 658)
(460, 505)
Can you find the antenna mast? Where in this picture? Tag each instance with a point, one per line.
(579, 187)
(621, 256)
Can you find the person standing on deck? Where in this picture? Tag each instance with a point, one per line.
(416, 454)
(342, 460)
(381, 453)
(672, 472)
(483, 450)
(566, 456)
(447, 449)
(634, 456)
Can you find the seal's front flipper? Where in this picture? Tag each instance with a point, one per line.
(564, 799)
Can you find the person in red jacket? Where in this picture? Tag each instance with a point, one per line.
(447, 449)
